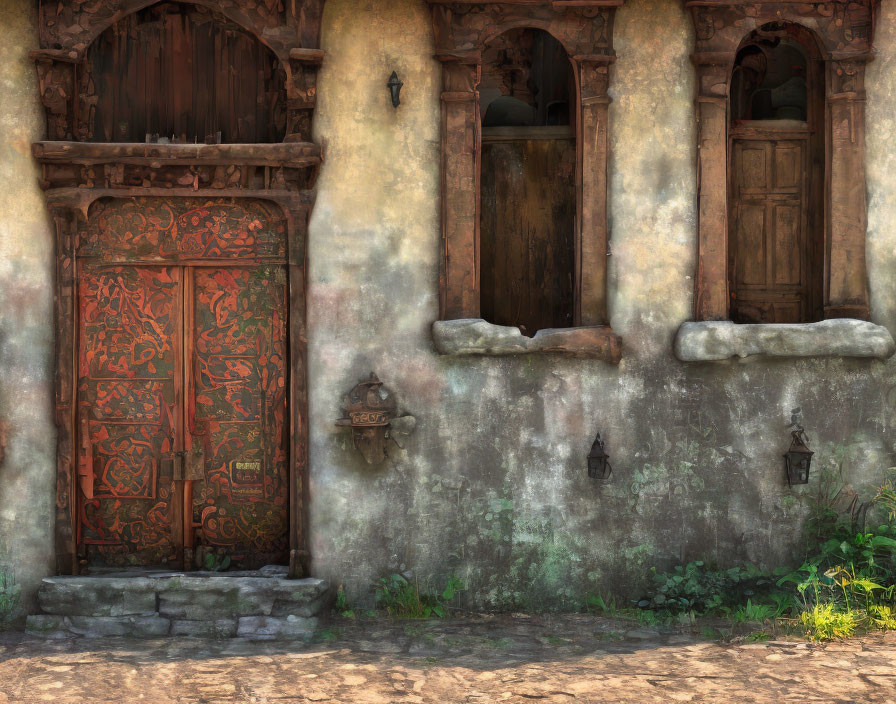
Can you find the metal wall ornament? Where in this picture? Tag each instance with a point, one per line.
(798, 458)
(599, 461)
(369, 410)
(395, 85)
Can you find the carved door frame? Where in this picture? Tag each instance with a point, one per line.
(845, 33)
(75, 174)
(462, 30)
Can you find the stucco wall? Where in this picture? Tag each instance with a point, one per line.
(27, 433)
(493, 486)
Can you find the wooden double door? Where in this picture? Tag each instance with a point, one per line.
(182, 394)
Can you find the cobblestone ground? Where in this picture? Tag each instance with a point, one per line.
(475, 660)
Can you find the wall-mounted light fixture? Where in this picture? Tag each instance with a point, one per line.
(599, 461)
(395, 86)
(798, 458)
(369, 409)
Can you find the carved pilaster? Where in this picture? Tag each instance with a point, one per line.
(461, 149)
(593, 235)
(65, 221)
(846, 280)
(711, 286)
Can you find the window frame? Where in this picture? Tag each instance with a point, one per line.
(462, 30)
(846, 44)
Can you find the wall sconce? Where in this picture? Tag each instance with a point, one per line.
(369, 409)
(599, 461)
(395, 86)
(798, 458)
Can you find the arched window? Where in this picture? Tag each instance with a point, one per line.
(776, 178)
(187, 74)
(528, 194)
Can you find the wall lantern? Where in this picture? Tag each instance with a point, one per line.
(798, 458)
(599, 461)
(369, 409)
(395, 86)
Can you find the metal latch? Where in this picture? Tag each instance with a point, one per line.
(185, 466)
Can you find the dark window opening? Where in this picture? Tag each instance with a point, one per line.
(528, 204)
(769, 81)
(776, 177)
(181, 73)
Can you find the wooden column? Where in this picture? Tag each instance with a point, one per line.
(65, 314)
(461, 137)
(846, 272)
(711, 285)
(593, 135)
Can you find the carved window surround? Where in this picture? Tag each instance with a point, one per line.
(845, 32)
(462, 30)
(75, 173)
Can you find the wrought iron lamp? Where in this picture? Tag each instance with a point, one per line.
(599, 461)
(798, 458)
(395, 86)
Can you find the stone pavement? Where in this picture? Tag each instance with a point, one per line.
(477, 660)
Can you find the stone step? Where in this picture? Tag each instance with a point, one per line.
(261, 606)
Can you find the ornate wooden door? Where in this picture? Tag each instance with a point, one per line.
(768, 253)
(237, 410)
(130, 319)
(182, 393)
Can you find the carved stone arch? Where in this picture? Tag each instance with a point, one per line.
(845, 34)
(462, 30)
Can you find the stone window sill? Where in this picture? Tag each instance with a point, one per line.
(844, 337)
(474, 336)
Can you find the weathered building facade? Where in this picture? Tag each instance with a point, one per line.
(350, 236)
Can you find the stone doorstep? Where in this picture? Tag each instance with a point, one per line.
(97, 596)
(55, 627)
(218, 606)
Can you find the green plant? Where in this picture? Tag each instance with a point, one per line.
(753, 613)
(326, 635)
(603, 606)
(758, 637)
(10, 594)
(882, 617)
(699, 589)
(824, 622)
(402, 599)
(886, 494)
(216, 561)
(342, 606)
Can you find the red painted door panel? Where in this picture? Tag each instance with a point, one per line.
(130, 319)
(183, 347)
(238, 410)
